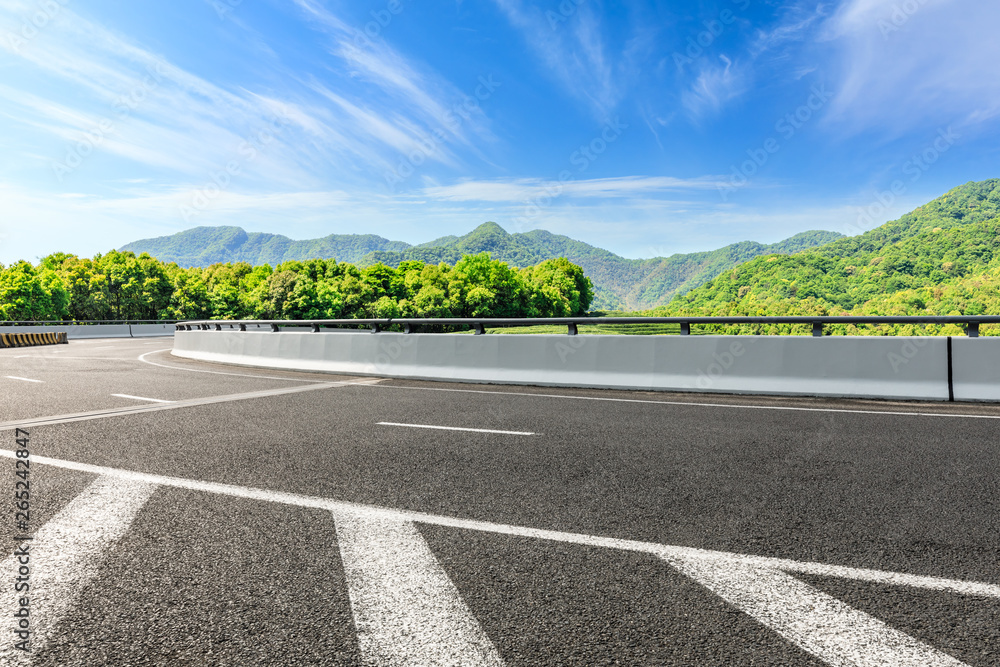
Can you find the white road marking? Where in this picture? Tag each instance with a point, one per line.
(14, 377)
(50, 355)
(142, 398)
(735, 406)
(818, 623)
(406, 609)
(456, 428)
(341, 507)
(142, 358)
(65, 555)
(192, 402)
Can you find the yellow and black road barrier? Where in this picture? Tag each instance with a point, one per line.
(30, 339)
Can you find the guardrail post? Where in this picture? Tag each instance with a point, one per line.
(218, 327)
(274, 327)
(685, 328)
(315, 327)
(973, 330)
(479, 328)
(376, 327)
(817, 329)
(571, 329)
(410, 327)
(243, 327)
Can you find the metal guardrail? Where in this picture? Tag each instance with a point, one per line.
(479, 324)
(48, 323)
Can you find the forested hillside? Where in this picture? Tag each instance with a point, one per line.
(204, 246)
(941, 259)
(121, 285)
(618, 282)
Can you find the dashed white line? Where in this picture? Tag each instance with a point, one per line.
(14, 377)
(406, 609)
(142, 398)
(65, 555)
(456, 428)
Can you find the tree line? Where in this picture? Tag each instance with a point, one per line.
(121, 285)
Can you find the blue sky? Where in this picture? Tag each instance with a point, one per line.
(647, 128)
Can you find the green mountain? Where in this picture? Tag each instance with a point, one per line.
(942, 258)
(204, 246)
(618, 282)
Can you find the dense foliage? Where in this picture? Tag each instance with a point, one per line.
(941, 259)
(619, 282)
(121, 285)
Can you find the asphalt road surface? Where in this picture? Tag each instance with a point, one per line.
(184, 513)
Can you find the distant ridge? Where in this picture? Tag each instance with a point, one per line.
(204, 246)
(632, 284)
(942, 258)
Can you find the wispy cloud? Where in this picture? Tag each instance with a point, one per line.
(573, 49)
(519, 190)
(799, 24)
(715, 86)
(138, 106)
(906, 65)
(405, 84)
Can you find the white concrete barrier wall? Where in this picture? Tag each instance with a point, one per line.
(976, 369)
(143, 330)
(76, 331)
(883, 367)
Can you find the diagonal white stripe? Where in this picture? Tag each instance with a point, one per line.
(818, 623)
(976, 588)
(406, 609)
(65, 555)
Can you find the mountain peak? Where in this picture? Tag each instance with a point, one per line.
(488, 228)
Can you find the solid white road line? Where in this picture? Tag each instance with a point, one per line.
(818, 623)
(61, 357)
(114, 412)
(65, 555)
(456, 428)
(692, 404)
(406, 609)
(141, 398)
(142, 358)
(14, 377)
(373, 511)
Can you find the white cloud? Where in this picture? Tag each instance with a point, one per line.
(903, 65)
(714, 87)
(523, 189)
(405, 84)
(572, 47)
(161, 117)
